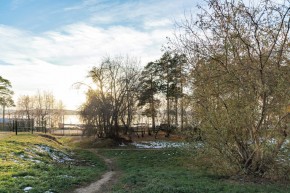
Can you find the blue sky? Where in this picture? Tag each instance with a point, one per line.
(43, 15)
(51, 44)
(38, 15)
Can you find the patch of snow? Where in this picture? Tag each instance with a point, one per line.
(199, 145)
(158, 144)
(28, 158)
(286, 142)
(54, 154)
(15, 161)
(32, 155)
(48, 191)
(27, 189)
(122, 145)
(272, 141)
(36, 161)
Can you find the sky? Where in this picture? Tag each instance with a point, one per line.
(49, 45)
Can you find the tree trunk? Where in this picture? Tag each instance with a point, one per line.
(168, 108)
(3, 121)
(152, 115)
(167, 93)
(176, 111)
(181, 107)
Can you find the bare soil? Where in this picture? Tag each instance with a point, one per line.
(105, 183)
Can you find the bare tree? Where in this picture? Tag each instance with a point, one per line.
(57, 114)
(26, 106)
(44, 107)
(41, 108)
(240, 59)
(112, 102)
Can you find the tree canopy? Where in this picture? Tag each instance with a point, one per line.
(114, 100)
(239, 55)
(5, 93)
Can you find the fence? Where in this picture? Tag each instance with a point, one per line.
(21, 125)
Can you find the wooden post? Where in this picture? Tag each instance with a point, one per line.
(63, 124)
(45, 127)
(3, 124)
(13, 126)
(16, 127)
(31, 125)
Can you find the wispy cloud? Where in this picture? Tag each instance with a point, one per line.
(74, 44)
(155, 23)
(57, 58)
(134, 13)
(87, 4)
(16, 3)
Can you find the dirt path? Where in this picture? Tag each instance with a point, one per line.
(103, 184)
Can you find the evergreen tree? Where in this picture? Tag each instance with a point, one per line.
(5, 96)
(149, 87)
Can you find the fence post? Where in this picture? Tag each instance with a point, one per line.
(12, 125)
(31, 125)
(45, 127)
(16, 127)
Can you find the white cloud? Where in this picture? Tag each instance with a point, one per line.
(56, 59)
(87, 4)
(157, 23)
(149, 13)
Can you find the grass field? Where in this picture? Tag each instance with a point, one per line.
(171, 171)
(38, 164)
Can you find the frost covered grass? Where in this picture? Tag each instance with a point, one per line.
(31, 163)
(172, 170)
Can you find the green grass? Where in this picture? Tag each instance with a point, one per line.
(24, 163)
(171, 171)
